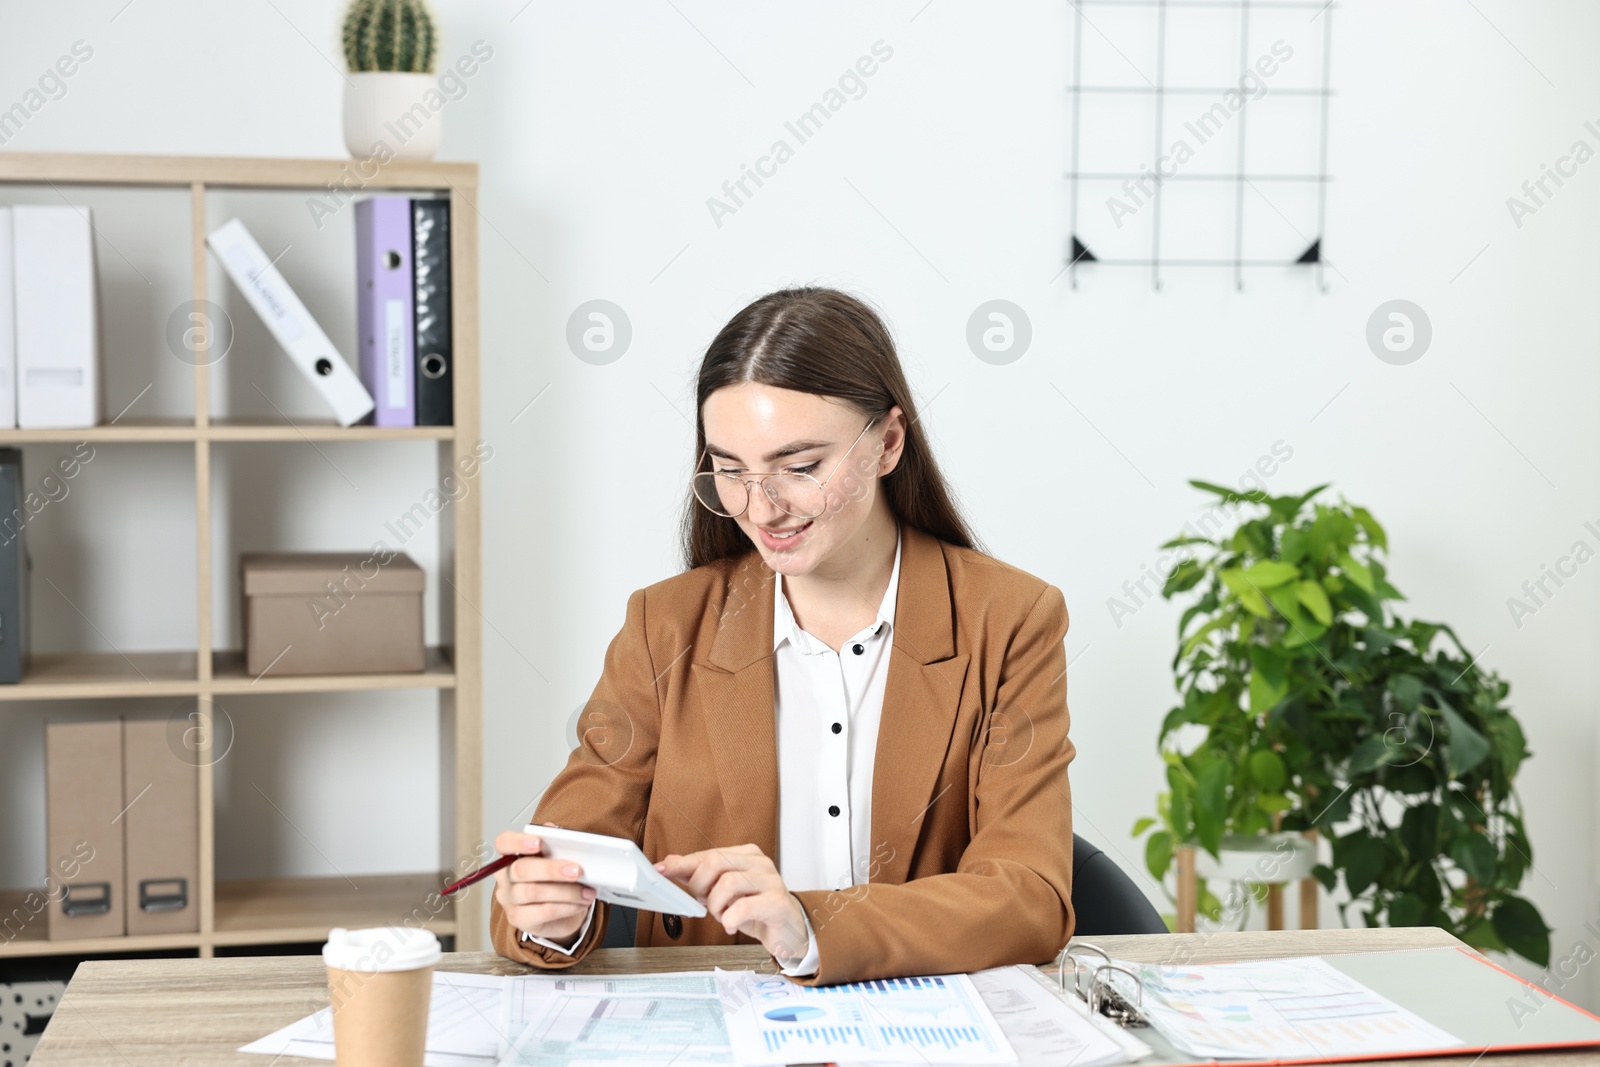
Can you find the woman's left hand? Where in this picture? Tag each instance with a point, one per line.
(743, 891)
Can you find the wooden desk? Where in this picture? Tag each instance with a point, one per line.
(133, 1013)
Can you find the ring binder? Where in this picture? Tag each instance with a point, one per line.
(1102, 995)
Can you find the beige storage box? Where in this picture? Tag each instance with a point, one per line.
(160, 830)
(331, 613)
(83, 808)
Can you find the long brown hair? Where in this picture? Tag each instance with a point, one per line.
(827, 343)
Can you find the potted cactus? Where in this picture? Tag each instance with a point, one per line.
(391, 101)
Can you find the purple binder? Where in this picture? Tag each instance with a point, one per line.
(384, 315)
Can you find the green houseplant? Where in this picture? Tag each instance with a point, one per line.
(391, 97)
(1305, 703)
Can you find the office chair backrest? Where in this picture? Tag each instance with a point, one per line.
(1105, 899)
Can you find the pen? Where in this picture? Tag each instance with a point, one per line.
(480, 874)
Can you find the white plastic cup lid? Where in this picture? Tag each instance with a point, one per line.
(381, 948)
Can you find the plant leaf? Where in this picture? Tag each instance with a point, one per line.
(1362, 859)
(1522, 928)
(1211, 803)
(1373, 752)
(1270, 573)
(1374, 532)
(1229, 495)
(1466, 746)
(1406, 909)
(1183, 577)
(1142, 825)
(1158, 854)
(1326, 875)
(1266, 767)
(1315, 598)
(1475, 854)
(1359, 573)
(1248, 595)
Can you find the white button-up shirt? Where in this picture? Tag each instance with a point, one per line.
(828, 706)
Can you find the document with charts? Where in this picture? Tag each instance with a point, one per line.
(627, 1019)
(935, 1020)
(1295, 1007)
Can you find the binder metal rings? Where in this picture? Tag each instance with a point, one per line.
(1102, 995)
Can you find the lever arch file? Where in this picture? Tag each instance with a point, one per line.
(13, 569)
(308, 347)
(1455, 996)
(385, 334)
(430, 267)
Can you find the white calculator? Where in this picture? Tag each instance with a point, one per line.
(617, 870)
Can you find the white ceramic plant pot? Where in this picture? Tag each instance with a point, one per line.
(1266, 858)
(386, 114)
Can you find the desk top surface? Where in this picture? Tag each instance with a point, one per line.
(133, 1013)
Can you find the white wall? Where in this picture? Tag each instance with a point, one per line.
(602, 130)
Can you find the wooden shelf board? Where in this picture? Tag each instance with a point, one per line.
(122, 430)
(250, 429)
(30, 937)
(227, 429)
(85, 675)
(228, 677)
(281, 910)
(86, 168)
(90, 675)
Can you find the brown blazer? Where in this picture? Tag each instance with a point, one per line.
(971, 865)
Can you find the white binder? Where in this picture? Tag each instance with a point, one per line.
(308, 347)
(8, 327)
(57, 326)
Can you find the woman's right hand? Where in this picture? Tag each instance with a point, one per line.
(540, 896)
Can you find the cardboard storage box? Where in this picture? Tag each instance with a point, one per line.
(160, 830)
(83, 808)
(331, 613)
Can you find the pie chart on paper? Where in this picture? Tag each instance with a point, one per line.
(795, 1013)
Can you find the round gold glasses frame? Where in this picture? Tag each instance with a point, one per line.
(799, 495)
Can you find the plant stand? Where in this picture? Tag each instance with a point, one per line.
(1188, 887)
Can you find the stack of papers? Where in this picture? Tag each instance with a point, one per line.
(1009, 1015)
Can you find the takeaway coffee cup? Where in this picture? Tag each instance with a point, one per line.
(380, 983)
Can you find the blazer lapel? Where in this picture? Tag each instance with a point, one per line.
(920, 702)
(739, 703)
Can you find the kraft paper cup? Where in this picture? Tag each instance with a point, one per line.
(380, 984)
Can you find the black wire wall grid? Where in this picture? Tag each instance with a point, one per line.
(1312, 256)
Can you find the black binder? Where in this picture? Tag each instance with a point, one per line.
(430, 266)
(13, 568)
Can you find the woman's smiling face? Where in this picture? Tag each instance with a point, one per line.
(754, 429)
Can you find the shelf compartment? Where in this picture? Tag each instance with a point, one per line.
(283, 910)
(29, 938)
(88, 675)
(229, 677)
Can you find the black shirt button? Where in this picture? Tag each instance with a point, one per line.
(858, 649)
(833, 809)
(838, 728)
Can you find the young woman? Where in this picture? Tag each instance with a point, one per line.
(843, 728)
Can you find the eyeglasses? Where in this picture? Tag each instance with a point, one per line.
(793, 493)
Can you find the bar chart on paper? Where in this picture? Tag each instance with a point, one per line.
(904, 1020)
